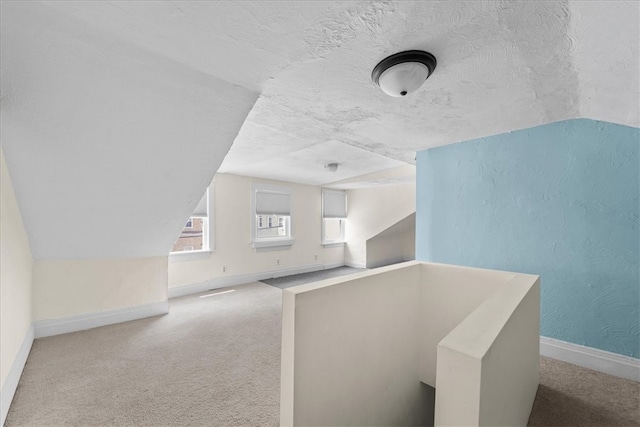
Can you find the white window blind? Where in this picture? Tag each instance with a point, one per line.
(334, 204)
(201, 210)
(273, 203)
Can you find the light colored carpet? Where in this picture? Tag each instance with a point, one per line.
(212, 361)
(215, 361)
(569, 395)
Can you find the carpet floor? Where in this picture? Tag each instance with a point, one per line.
(569, 395)
(214, 360)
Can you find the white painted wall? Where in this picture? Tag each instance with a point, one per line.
(488, 365)
(231, 226)
(393, 245)
(448, 295)
(70, 287)
(409, 245)
(371, 211)
(15, 276)
(373, 314)
(486, 321)
(511, 363)
(385, 251)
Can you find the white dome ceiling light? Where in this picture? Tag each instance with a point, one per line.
(404, 72)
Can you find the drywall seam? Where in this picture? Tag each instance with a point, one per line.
(240, 279)
(47, 328)
(591, 358)
(11, 383)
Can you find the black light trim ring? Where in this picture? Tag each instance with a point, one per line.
(407, 56)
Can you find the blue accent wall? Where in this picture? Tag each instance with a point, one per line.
(559, 200)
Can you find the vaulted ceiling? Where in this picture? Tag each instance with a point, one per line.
(121, 112)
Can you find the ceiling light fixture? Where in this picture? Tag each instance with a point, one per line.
(331, 166)
(404, 72)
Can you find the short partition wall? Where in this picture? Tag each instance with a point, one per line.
(355, 350)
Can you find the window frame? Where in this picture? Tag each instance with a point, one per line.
(276, 242)
(207, 233)
(343, 226)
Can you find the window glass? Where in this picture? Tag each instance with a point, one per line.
(192, 236)
(195, 234)
(272, 226)
(334, 216)
(333, 230)
(271, 210)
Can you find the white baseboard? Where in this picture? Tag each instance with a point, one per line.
(241, 279)
(333, 265)
(47, 328)
(355, 265)
(591, 358)
(11, 382)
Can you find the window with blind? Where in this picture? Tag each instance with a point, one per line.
(271, 206)
(195, 234)
(334, 216)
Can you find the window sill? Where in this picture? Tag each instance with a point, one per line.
(263, 244)
(333, 244)
(188, 256)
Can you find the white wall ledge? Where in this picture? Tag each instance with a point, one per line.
(273, 243)
(333, 244)
(392, 319)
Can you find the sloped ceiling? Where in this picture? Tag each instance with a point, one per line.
(131, 98)
(109, 146)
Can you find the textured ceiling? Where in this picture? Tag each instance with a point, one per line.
(502, 66)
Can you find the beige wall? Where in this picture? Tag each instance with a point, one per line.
(371, 211)
(64, 288)
(15, 275)
(350, 351)
(409, 245)
(393, 245)
(386, 250)
(448, 295)
(487, 372)
(230, 203)
(483, 325)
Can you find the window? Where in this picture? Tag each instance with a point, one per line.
(195, 234)
(271, 230)
(333, 230)
(271, 207)
(334, 214)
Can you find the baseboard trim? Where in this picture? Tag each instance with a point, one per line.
(355, 265)
(591, 358)
(241, 279)
(51, 327)
(15, 372)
